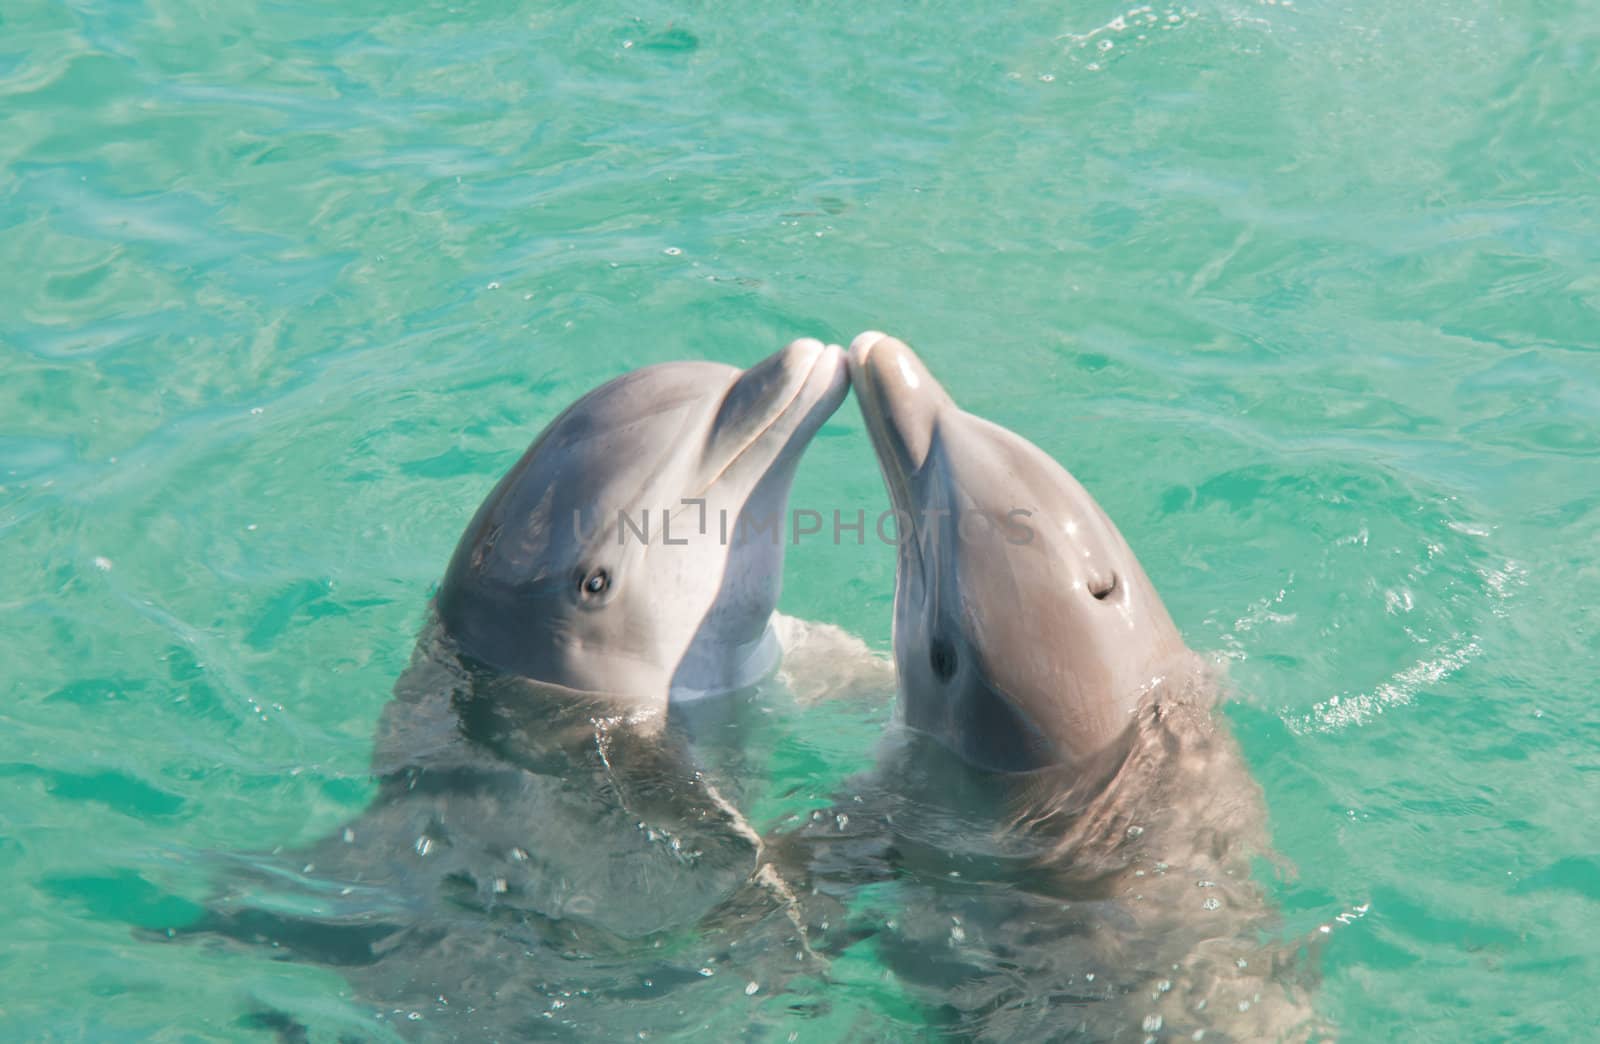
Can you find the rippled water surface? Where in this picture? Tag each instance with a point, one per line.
(1307, 294)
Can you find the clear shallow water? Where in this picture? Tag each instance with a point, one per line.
(1307, 295)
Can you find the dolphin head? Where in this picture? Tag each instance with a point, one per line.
(1025, 631)
(633, 552)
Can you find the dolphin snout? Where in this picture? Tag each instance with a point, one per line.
(899, 398)
(814, 369)
(863, 344)
(806, 377)
(801, 354)
(825, 368)
(888, 364)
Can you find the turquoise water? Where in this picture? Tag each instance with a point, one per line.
(1307, 294)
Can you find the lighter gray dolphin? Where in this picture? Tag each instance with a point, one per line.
(631, 551)
(556, 849)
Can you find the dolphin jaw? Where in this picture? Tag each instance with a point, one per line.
(755, 480)
(730, 669)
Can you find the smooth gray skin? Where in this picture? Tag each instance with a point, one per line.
(1068, 825)
(1025, 630)
(543, 823)
(706, 454)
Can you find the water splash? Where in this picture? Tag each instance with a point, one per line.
(1343, 711)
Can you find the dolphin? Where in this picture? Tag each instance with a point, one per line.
(553, 850)
(633, 550)
(1064, 821)
(1025, 630)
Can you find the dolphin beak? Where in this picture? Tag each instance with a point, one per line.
(826, 381)
(805, 383)
(780, 402)
(823, 364)
(899, 399)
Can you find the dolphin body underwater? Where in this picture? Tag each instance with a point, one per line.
(554, 850)
(1062, 829)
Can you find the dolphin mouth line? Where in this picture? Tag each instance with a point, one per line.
(893, 461)
(778, 415)
(894, 458)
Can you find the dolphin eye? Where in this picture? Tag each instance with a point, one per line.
(1102, 593)
(595, 583)
(942, 658)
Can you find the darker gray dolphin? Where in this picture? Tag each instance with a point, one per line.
(1063, 830)
(1025, 629)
